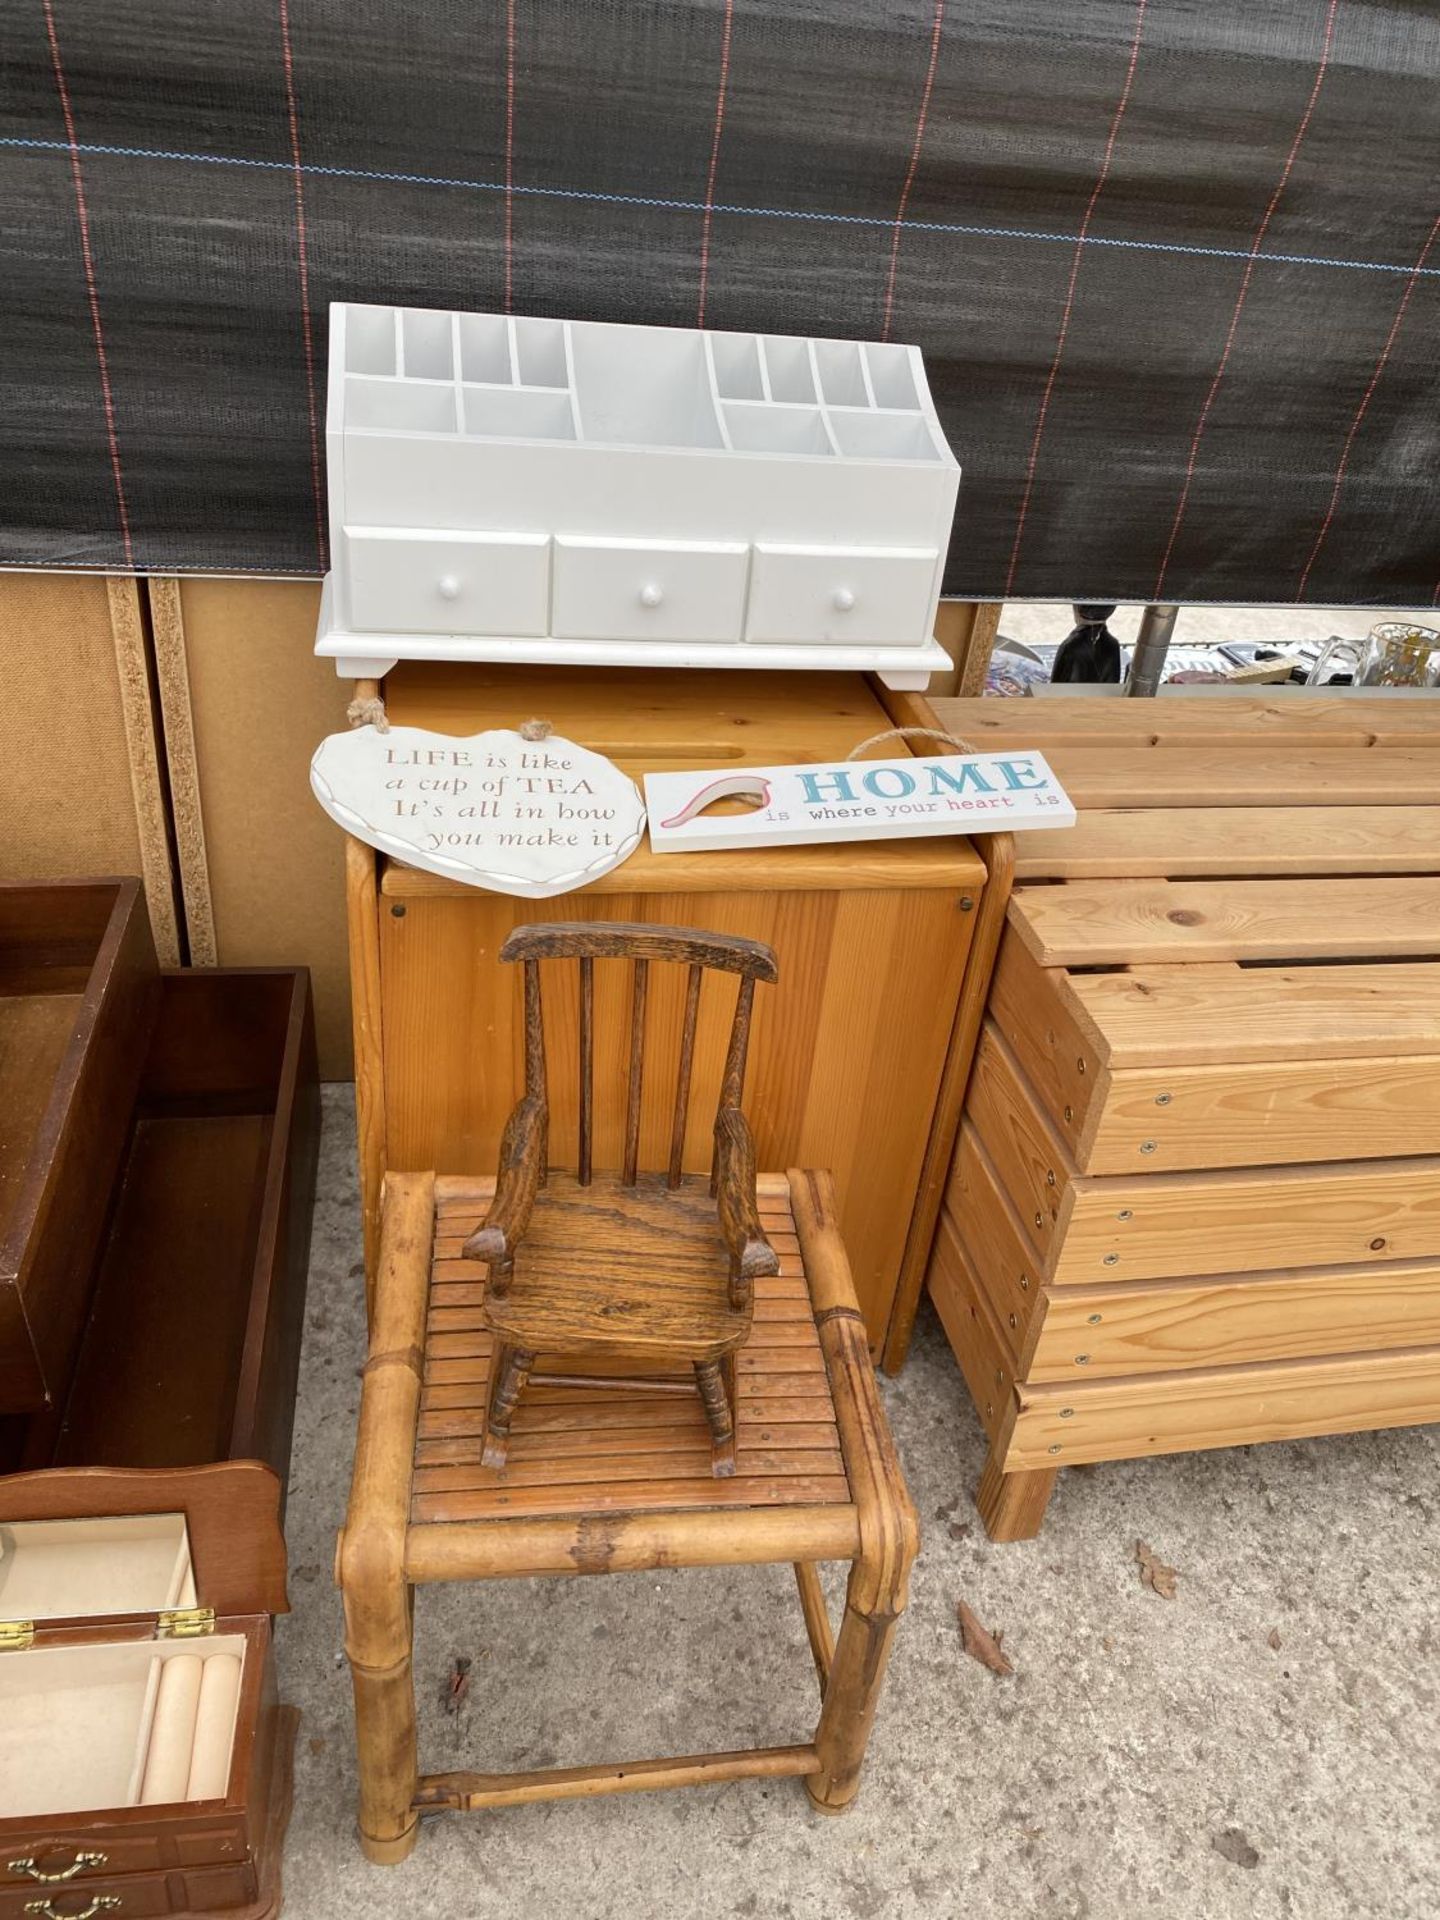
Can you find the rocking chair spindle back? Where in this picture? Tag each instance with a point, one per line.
(579, 1290)
(640, 944)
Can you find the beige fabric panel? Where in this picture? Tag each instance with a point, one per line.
(260, 702)
(81, 793)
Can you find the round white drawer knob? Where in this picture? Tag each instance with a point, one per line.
(844, 599)
(651, 595)
(448, 586)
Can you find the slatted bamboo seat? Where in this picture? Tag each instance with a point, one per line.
(603, 1481)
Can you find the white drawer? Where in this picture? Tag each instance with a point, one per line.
(648, 589)
(870, 596)
(406, 581)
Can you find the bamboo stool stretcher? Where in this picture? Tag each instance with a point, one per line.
(613, 1483)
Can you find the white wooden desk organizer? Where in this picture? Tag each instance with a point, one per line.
(585, 494)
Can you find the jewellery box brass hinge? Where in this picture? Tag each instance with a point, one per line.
(15, 1635)
(185, 1623)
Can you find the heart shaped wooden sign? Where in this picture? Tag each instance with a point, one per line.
(533, 817)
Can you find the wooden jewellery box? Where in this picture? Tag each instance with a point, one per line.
(78, 991)
(144, 1763)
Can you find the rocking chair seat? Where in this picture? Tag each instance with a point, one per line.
(622, 1270)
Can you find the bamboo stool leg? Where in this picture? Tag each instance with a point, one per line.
(852, 1693)
(384, 1722)
(889, 1533)
(1012, 1505)
(370, 1560)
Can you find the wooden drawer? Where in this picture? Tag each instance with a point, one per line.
(1160, 1326)
(1002, 1259)
(642, 590)
(403, 580)
(971, 1330)
(209, 1890)
(1174, 1225)
(218, 1179)
(78, 984)
(1156, 1068)
(865, 596)
(1222, 1407)
(40, 1861)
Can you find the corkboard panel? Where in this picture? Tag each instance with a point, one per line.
(259, 703)
(81, 793)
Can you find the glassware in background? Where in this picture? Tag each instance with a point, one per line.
(1338, 664)
(1397, 654)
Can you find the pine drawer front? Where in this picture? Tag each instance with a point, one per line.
(1179, 1225)
(863, 595)
(643, 590)
(1059, 1426)
(1001, 1257)
(407, 580)
(1109, 1330)
(1222, 1066)
(970, 1328)
(1233, 1319)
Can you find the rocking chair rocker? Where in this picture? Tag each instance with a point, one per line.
(626, 1275)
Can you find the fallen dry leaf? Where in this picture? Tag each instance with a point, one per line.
(456, 1684)
(1154, 1573)
(981, 1645)
(1272, 1639)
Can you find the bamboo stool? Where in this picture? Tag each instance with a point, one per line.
(600, 1483)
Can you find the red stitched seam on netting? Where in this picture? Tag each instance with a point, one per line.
(509, 152)
(1240, 299)
(714, 159)
(1079, 254)
(922, 117)
(307, 330)
(92, 293)
(1363, 407)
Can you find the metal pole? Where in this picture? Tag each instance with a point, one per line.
(1147, 663)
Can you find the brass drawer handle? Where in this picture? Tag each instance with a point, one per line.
(100, 1903)
(77, 1865)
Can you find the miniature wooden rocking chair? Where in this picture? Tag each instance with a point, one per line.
(630, 1270)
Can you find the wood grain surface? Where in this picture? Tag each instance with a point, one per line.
(1201, 1015)
(1133, 842)
(1122, 923)
(1286, 775)
(614, 1268)
(1255, 722)
(1224, 1407)
(586, 1449)
(1200, 1223)
(1161, 1326)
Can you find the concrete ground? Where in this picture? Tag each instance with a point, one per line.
(1148, 1757)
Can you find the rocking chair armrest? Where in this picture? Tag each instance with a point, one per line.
(751, 1253)
(521, 1171)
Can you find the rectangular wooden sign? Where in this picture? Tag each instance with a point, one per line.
(855, 800)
